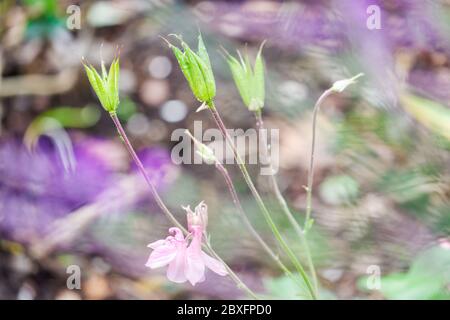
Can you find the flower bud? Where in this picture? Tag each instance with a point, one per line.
(249, 81)
(198, 218)
(106, 86)
(341, 85)
(196, 67)
(203, 150)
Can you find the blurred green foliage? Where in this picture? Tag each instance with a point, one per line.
(127, 109)
(427, 278)
(339, 190)
(61, 117)
(45, 18)
(284, 289)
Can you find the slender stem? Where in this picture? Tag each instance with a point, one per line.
(164, 208)
(247, 222)
(141, 168)
(229, 182)
(283, 203)
(319, 102)
(259, 201)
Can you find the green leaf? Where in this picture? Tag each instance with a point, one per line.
(240, 78)
(103, 68)
(182, 61)
(196, 67)
(259, 85)
(198, 80)
(249, 82)
(106, 87)
(92, 79)
(434, 261)
(113, 83)
(199, 75)
(99, 87)
(410, 287)
(208, 79)
(202, 53)
(426, 279)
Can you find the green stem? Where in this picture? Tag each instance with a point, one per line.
(283, 203)
(319, 102)
(160, 203)
(229, 182)
(259, 201)
(247, 222)
(141, 168)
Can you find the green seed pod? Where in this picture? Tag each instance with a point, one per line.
(196, 67)
(106, 86)
(249, 81)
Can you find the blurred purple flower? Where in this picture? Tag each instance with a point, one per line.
(36, 189)
(336, 34)
(327, 23)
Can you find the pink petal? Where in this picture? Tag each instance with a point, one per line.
(176, 270)
(195, 267)
(161, 256)
(177, 233)
(156, 244)
(214, 265)
(195, 270)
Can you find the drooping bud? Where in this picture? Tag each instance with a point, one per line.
(341, 85)
(203, 150)
(106, 86)
(196, 67)
(249, 81)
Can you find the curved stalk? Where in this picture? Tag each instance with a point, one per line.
(247, 222)
(319, 102)
(141, 168)
(284, 205)
(164, 208)
(259, 200)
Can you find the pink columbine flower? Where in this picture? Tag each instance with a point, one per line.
(186, 260)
